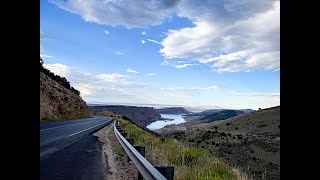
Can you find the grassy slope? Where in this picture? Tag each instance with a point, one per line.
(250, 141)
(189, 162)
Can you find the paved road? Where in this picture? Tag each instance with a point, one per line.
(53, 131)
(67, 151)
(83, 159)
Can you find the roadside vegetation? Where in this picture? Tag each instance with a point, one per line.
(189, 162)
(61, 80)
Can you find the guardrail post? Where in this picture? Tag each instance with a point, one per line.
(147, 170)
(124, 134)
(166, 171)
(142, 151)
(131, 141)
(119, 128)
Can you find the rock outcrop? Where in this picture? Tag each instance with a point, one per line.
(58, 101)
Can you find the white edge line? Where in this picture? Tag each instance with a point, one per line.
(85, 129)
(61, 126)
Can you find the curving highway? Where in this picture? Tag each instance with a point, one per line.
(53, 131)
(69, 151)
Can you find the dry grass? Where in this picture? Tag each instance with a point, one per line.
(189, 162)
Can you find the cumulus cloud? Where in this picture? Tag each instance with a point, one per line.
(60, 69)
(106, 32)
(143, 33)
(130, 13)
(98, 87)
(131, 70)
(142, 42)
(230, 36)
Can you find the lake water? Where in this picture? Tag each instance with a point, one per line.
(160, 124)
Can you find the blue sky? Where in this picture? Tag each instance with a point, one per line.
(166, 52)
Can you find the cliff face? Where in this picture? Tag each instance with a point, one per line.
(58, 101)
(173, 110)
(142, 116)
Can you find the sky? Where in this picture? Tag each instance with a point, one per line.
(202, 53)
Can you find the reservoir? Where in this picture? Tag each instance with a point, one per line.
(160, 124)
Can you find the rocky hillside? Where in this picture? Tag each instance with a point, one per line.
(250, 141)
(142, 116)
(173, 110)
(59, 100)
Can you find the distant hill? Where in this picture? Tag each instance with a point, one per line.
(221, 115)
(250, 141)
(173, 110)
(59, 100)
(142, 116)
(212, 111)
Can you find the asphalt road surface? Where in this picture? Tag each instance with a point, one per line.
(54, 131)
(76, 154)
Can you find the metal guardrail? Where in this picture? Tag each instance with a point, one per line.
(147, 170)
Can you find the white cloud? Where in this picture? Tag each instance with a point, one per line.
(111, 77)
(177, 64)
(142, 41)
(117, 88)
(193, 91)
(275, 96)
(154, 41)
(151, 74)
(183, 65)
(131, 70)
(230, 36)
(101, 87)
(143, 33)
(119, 52)
(106, 32)
(241, 43)
(133, 13)
(257, 99)
(45, 56)
(60, 69)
